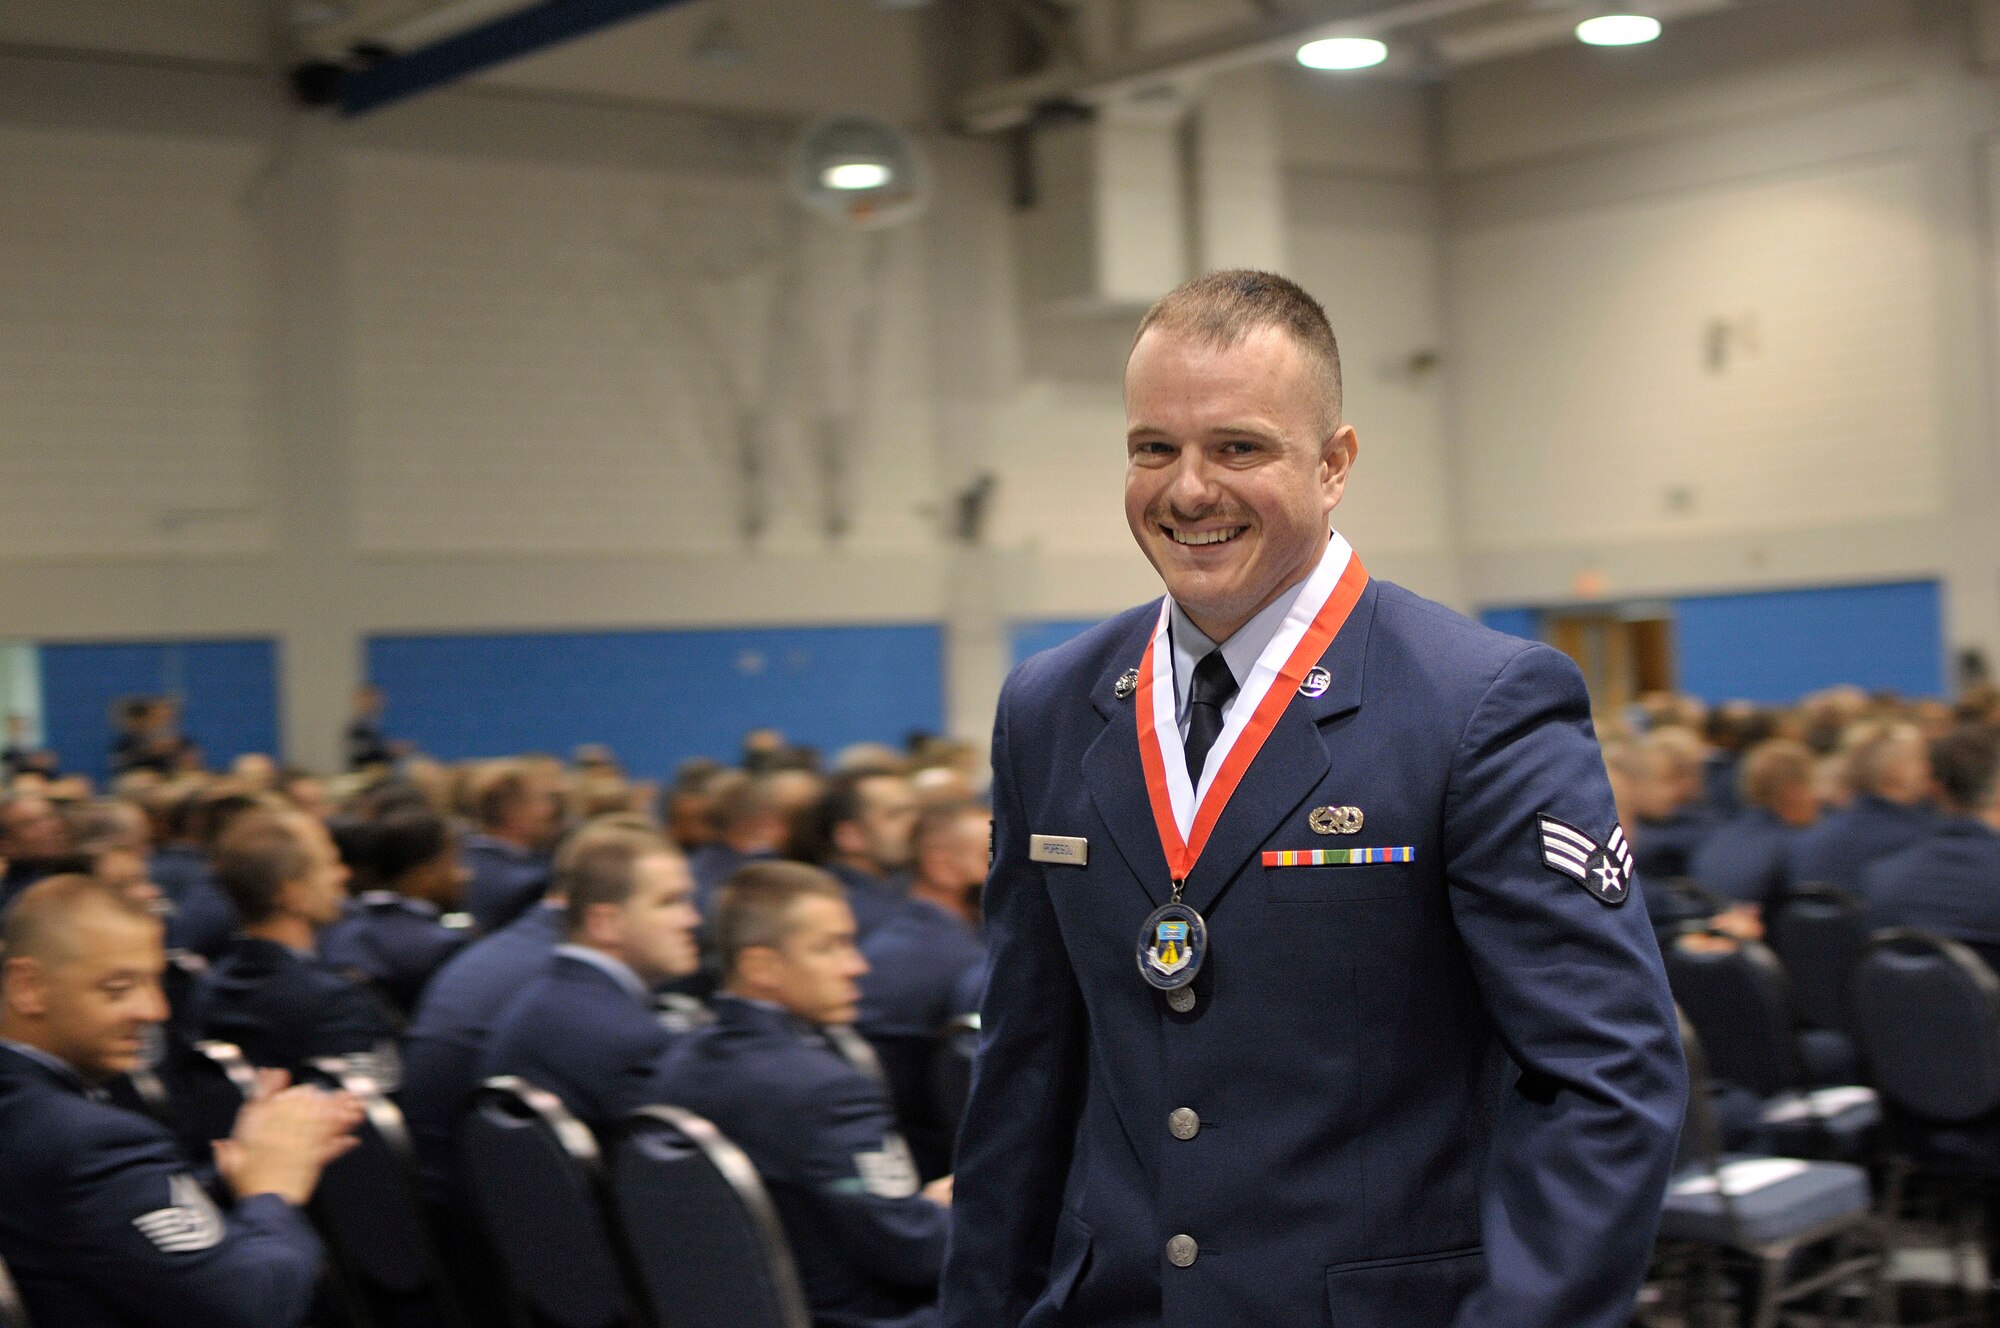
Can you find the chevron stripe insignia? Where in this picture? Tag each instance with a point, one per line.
(1605, 870)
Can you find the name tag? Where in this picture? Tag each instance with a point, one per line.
(1070, 850)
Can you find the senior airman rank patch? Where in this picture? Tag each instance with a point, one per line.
(1603, 869)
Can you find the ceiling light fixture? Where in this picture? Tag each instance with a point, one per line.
(1342, 53)
(856, 175)
(1618, 30)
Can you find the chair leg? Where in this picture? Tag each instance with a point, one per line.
(1770, 1277)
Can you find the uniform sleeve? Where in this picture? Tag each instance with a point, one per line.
(862, 1171)
(1584, 1140)
(152, 1241)
(1014, 1144)
(354, 1020)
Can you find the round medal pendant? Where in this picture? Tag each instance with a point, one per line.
(1172, 946)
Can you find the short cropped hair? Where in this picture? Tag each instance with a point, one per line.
(1773, 766)
(939, 822)
(405, 840)
(755, 904)
(1966, 764)
(37, 924)
(1871, 744)
(1220, 309)
(498, 791)
(259, 854)
(596, 866)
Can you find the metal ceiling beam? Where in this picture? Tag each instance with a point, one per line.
(554, 21)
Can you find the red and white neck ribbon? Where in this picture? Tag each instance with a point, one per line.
(1184, 814)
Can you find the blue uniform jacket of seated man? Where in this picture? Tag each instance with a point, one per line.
(82, 1183)
(287, 1009)
(1426, 1073)
(584, 1033)
(869, 1248)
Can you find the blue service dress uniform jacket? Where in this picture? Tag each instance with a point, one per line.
(103, 1225)
(868, 1246)
(575, 1031)
(506, 881)
(395, 943)
(1743, 860)
(1438, 1092)
(446, 1041)
(1947, 882)
(285, 1009)
(1838, 849)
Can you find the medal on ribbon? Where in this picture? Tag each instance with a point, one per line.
(1174, 942)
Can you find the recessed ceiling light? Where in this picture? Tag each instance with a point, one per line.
(855, 175)
(1342, 53)
(1617, 30)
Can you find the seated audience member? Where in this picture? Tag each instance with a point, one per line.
(1949, 881)
(1670, 907)
(749, 825)
(22, 756)
(391, 934)
(1733, 729)
(586, 1029)
(687, 808)
(1743, 859)
(34, 842)
(918, 960)
(269, 993)
(869, 1244)
(1673, 819)
(1891, 775)
(859, 831)
(203, 919)
(446, 1042)
(103, 1223)
(516, 815)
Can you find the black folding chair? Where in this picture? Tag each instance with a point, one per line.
(13, 1314)
(537, 1182)
(1818, 932)
(703, 1233)
(1735, 994)
(366, 1207)
(1926, 1013)
(1721, 1216)
(951, 1071)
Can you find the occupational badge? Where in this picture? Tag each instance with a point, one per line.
(1128, 683)
(1335, 820)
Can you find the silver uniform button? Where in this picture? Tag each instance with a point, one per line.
(1181, 1251)
(1183, 1123)
(1180, 1000)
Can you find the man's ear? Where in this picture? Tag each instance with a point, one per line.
(847, 838)
(757, 967)
(1336, 456)
(604, 925)
(24, 986)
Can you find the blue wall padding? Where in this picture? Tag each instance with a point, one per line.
(1524, 623)
(230, 689)
(659, 697)
(1032, 638)
(1778, 645)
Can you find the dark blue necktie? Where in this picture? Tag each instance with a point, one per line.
(1212, 687)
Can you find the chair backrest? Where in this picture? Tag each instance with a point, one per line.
(708, 1246)
(206, 1084)
(1818, 932)
(366, 1202)
(1701, 1133)
(1735, 994)
(536, 1180)
(951, 1070)
(13, 1314)
(1927, 1017)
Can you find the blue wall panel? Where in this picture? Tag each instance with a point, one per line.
(1778, 645)
(1524, 623)
(230, 689)
(1032, 638)
(658, 698)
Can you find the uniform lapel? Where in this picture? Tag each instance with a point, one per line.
(1116, 779)
(1291, 764)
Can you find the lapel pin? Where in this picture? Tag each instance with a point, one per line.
(1128, 683)
(1316, 683)
(1335, 820)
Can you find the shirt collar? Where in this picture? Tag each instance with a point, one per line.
(422, 907)
(1241, 651)
(620, 972)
